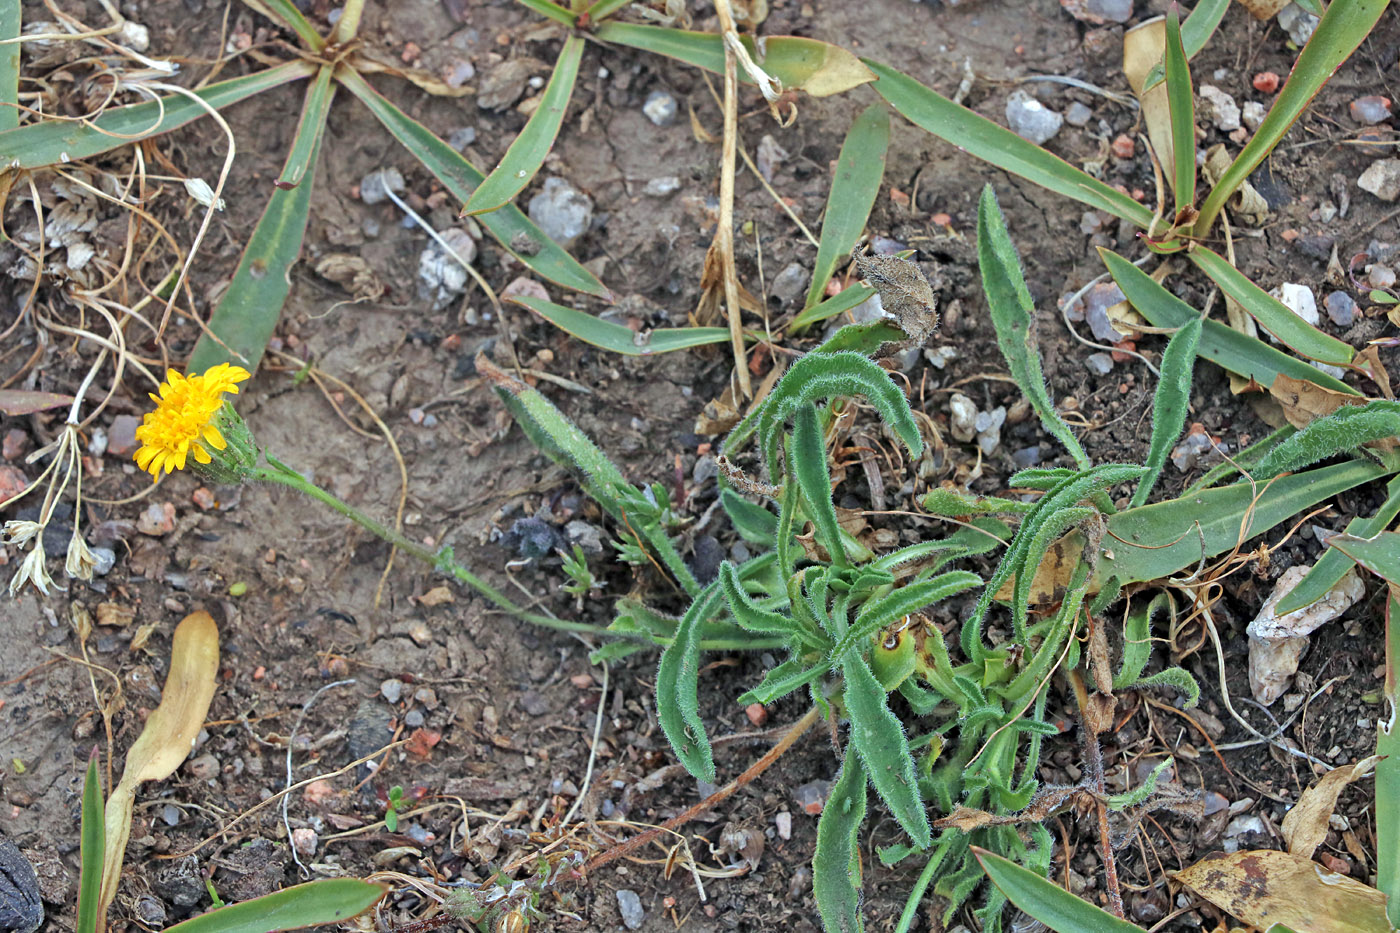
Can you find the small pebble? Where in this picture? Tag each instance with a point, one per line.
(962, 417)
(1382, 179)
(630, 906)
(391, 690)
(421, 633)
(104, 559)
(561, 211)
(1370, 110)
(1123, 146)
(16, 444)
(1341, 309)
(1317, 245)
(413, 718)
(661, 187)
(1381, 276)
(1220, 108)
(1026, 457)
(661, 108)
(1253, 114)
(757, 713)
(1266, 82)
(1077, 114)
(304, 840)
(203, 768)
(373, 187)
(1379, 251)
(1298, 23)
(783, 821)
(989, 429)
(1099, 363)
(811, 797)
(462, 137)
(121, 436)
(1030, 119)
(1240, 826)
(170, 814)
(790, 283)
(1300, 300)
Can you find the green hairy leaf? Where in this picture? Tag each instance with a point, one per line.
(791, 675)
(1137, 644)
(878, 736)
(677, 690)
(894, 606)
(1175, 677)
(1170, 404)
(943, 501)
(1012, 309)
(808, 465)
(1343, 431)
(754, 523)
(745, 611)
(836, 864)
(1140, 793)
(1043, 478)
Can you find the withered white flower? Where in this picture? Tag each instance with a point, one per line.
(32, 570)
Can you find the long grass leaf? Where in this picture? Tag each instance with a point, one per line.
(1170, 404)
(1181, 103)
(49, 141)
(1272, 314)
(316, 903)
(842, 301)
(310, 129)
(91, 845)
(819, 68)
(509, 225)
(1011, 308)
(1241, 354)
(527, 153)
(1379, 554)
(9, 64)
(808, 453)
(247, 314)
(551, 11)
(1196, 31)
(286, 13)
(1343, 431)
(617, 338)
(602, 9)
(879, 739)
(985, 140)
(1333, 564)
(677, 689)
(1044, 900)
(1341, 29)
(836, 865)
(1388, 769)
(859, 171)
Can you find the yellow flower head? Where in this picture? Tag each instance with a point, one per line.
(183, 422)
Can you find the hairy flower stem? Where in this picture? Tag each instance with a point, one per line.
(441, 560)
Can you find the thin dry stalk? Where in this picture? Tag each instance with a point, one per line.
(723, 245)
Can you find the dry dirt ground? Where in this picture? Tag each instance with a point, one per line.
(512, 708)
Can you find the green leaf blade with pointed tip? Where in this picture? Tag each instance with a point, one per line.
(310, 129)
(551, 11)
(807, 456)
(527, 153)
(285, 12)
(836, 864)
(316, 903)
(677, 690)
(1170, 404)
(879, 739)
(509, 225)
(92, 842)
(1195, 33)
(859, 170)
(1181, 103)
(1333, 564)
(843, 301)
(1046, 901)
(617, 338)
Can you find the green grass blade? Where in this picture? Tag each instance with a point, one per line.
(509, 225)
(836, 864)
(1343, 431)
(1181, 103)
(807, 453)
(316, 903)
(618, 338)
(9, 65)
(819, 68)
(1171, 403)
(602, 9)
(989, 142)
(1011, 307)
(247, 314)
(879, 739)
(1388, 771)
(90, 849)
(525, 156)
(1046, 901)
(310, 129)
(286, 13)
(1333, 564)
(1168, 538)
(859, 171)
(843, 301)
(1239, 353)
(1338, 33)
(678, 685)
(1379, 554)
(551, 11)
(49, 141)
(1195, 33)
(1296, 333)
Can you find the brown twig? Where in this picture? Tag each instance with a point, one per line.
(1093, 776)
(685, 816)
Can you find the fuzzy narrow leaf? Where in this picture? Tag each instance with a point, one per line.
(1137, 642)
(1181, 101)
(1196, 31)
(285, 13)
(618, 338)
(1178, 679)
(316, 903)
(310, 129)
(1341, 29)
(791, 675)
(1167, 538)
(551, 11)
(1011, 308)
(879, 739)
(1046, 901)
(1272, 314)
(47, 142)
(749, 614)
(527, 153)
(866, 338)
(1047, 529)
(1241, 354)
(677, 689)
(1343, 431)
(754, 523)
(989, 142)
(509, 225)
(91, 846)
(859, 170)
(1042, 478)
(9, 64)
(877, 613)
(1333, 564)
(981, 535)
(836, 864)
(1170, 404)
(943, 501)
(843, 301)
(808, 455)
(819, 68)
(247, 314)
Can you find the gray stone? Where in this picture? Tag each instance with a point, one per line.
(1099, 363)
(413, 718)
(1370, 110)
(1317, 245)
(1341, 309)
(663, 186)
(989, 429)
(373, 187)
(1253, 113)
(789, 283)
(661, 108)
(462, 137)
(104, 559)
(533, 703)
(1381, 276)
(962, 417)
(391, 690)
(1026, 457)
(1030, 119)
(561, 211)
(1382, 252)
(630, 906)
(1220, 107)
(442, 275)
(1077, 114)
(1297, 22)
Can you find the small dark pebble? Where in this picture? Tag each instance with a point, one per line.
(20, 907)
(1341, 309)
(1316, 245)
(533, 704)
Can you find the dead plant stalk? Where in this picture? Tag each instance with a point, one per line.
(724, 235)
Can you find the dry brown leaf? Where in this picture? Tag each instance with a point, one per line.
(1305, 826)
(1143, 46)
(1263, 9)
(166, 740)
(1305, 401)
(904, 293)
(1053, 574)
(1266, 887)
(1368, 361)
(368, 62)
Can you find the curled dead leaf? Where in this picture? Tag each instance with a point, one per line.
(1266, 887)
(1305, 826)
